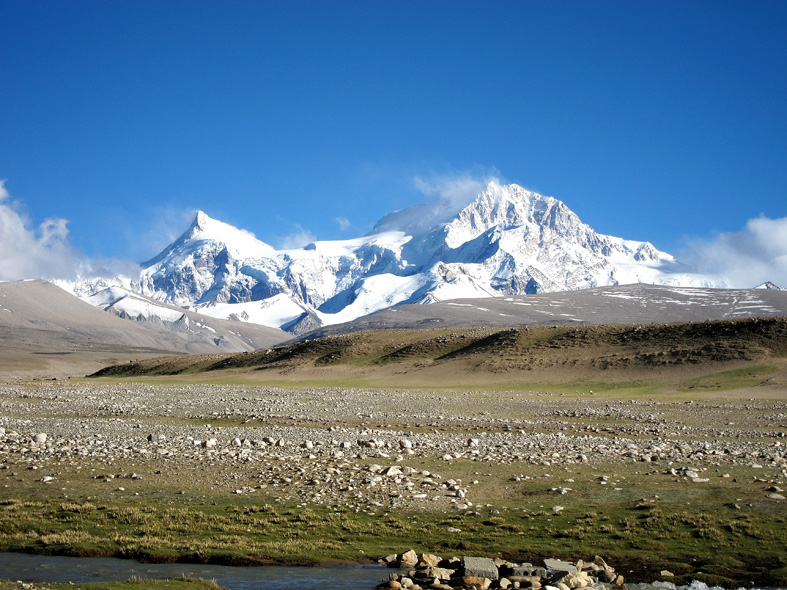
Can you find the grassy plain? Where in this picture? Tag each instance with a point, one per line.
(643, 519)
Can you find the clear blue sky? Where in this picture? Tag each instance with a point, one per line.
(652, 120)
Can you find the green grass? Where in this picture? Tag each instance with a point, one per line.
(653, 520)
(734, 379)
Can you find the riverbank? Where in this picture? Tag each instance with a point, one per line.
(245, 475)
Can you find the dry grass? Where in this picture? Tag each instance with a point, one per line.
(703, 357)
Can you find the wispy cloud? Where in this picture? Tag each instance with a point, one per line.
(343, 223)
(32, 252)
(297, 239)
(458, 188)
(747, 258)
(162, 226)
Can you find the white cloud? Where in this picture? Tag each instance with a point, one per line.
(747, 258)
(28, 252)
(44, 252)
(299, 238)
(459, 189)
(343, 223)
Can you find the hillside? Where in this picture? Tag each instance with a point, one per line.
(658, 353)
(621, 304)
(45, 331)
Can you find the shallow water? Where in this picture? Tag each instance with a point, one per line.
(41, 568)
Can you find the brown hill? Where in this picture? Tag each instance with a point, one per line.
(45, 331)
(483, 356)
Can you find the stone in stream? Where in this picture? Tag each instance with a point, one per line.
(526, 581)
(576, 580)
(408, 559)
(429, 559)
(558, 565)
(481, 567)
(432, 572)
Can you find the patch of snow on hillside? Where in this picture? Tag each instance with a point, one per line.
(376, 293)
(132, 306)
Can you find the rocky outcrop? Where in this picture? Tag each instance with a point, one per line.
(483, 573)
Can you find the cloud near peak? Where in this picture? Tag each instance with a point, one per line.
(459, 189)
(298, 238)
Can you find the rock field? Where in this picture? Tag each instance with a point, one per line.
(368, 448)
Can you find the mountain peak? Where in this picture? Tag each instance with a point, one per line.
(423, 217)
(205, 228)
(505, 240)
(205, 231)
(205, 223)
(506, 207)
(201, 220)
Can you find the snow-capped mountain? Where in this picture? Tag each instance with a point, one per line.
(507, 241)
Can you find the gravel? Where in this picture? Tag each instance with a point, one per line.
(363, 448)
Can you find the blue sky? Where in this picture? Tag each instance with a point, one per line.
(653, 120)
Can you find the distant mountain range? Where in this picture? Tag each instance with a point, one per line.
(508, 241)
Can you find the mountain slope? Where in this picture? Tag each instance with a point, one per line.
(43, 326)
(623, 304)
(228, 335)
(507, 241)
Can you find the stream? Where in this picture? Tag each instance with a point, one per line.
(44, 568)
